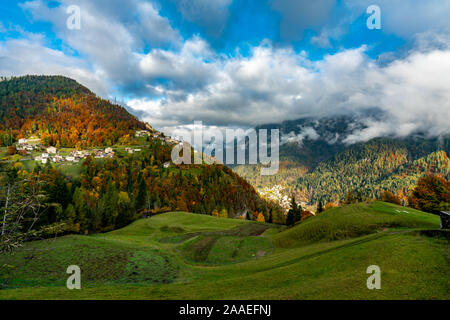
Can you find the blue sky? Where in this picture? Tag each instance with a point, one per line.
(245, 23)
(241, 62)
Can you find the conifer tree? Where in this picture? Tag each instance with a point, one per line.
(141, 199)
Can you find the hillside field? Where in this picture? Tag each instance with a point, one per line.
(180, 255)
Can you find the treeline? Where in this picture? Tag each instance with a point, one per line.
(430, 194)
(370, 169)
(62, 113)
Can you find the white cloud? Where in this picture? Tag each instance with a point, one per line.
(112, 33)
(31, 56)
(272, 85)
(292, 137)
(186, 80)
(185, 69)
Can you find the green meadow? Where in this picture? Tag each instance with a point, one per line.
(181, 255)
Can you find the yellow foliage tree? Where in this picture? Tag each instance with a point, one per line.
(329, 205)
(261, 218)
(224, 213)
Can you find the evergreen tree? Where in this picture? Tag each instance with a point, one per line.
(290, 219)
(270, 219)
(320, 207)
(141, 198)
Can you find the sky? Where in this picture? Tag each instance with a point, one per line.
(242, 63)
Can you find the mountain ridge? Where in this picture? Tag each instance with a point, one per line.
(317, 164)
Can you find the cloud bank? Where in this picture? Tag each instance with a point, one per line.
(171, 81)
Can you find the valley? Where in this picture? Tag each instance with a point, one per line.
(318, 165)
(84, 183)
(171, 256)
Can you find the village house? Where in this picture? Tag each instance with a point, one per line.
(23, 141)
(24, 147)
(142, 133)
(57, 159)
(108, 150)
(52, 150)
(98, 154)
(166, 164)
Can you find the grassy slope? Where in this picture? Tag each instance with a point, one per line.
(353, 221)
(120, 264)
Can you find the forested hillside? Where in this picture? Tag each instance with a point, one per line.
(61, 112)
(318, 165)
(105, 188)
(110, 193)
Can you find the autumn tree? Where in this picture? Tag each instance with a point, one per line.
(260, 218)
(388, 196)
(12, 150)
(432, 194)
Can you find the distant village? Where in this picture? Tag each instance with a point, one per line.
(52, 154)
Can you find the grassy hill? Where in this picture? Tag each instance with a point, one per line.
(186, 256)
(353, 221)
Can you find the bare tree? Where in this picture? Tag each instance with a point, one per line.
(23, 206)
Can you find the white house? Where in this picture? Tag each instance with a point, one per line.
(23, 141)
(71, 159)
(52, 150)
(166, 165)
(108, 150)
(44, 155)
(44, 161)
(57, 158)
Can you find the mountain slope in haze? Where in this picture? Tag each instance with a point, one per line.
(317, 163)
(61, 112)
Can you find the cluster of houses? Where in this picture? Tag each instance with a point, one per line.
(131, 151)
(51, 154)
(75, 156)
(142, 133)
(24, 145)
(277, 194)
(155, 135)
(107, 153)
